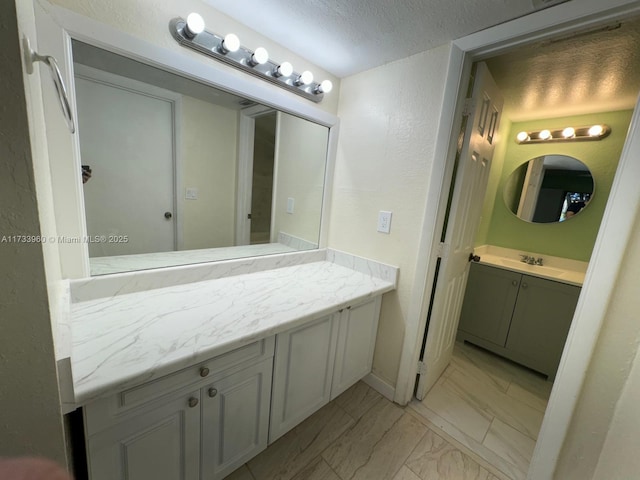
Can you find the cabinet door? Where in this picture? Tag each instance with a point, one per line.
(488, 304)
(541, 321)
(235, 419)
(162, 442)
(357, 331)
(302, 372)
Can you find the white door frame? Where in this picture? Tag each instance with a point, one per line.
(246, 144)
(609, 249)
(175, 100)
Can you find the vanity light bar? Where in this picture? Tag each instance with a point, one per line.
(191, 33)
(568, 134)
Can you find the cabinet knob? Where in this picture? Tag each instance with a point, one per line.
(193, 402)
(213, 392)
(524, 285)
(204, 371)
(514, 283)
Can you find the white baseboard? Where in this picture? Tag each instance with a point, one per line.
(380, 386)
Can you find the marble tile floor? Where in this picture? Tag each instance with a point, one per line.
(363, 436)
(491, 406)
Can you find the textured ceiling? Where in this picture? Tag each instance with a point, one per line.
(589, 72)
(349, 36)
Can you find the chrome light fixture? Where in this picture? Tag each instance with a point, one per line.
(567, 134)
(191, 33)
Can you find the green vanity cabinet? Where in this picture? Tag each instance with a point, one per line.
(521, 317)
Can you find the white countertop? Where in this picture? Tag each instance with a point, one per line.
(557, 269)
(127, 339)
(144, 261)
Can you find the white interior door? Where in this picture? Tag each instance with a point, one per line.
(474, 162)
(127, 138)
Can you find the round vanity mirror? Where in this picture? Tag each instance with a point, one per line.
(547, 189)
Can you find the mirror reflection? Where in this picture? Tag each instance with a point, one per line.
(178, 172)
(547, 189)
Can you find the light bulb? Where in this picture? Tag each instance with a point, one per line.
(259, 57)
(194, 25)
(285, 69)
(231, 43)
(544, 135)
(596, 130)
(522, 136)
(325, 87)
(305, 78)
(569, 132)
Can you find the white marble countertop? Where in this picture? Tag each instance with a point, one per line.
(144, 261)
(127, 339)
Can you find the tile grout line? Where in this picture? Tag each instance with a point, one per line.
(487, 432)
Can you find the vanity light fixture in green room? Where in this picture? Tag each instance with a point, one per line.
(574, 238)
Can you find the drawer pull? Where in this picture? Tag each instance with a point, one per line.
(524, 285)
(213, 392)
(193, 402)
(514, 283)
(204, 371)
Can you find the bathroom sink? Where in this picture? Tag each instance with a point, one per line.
(565, 275)
(525, 267)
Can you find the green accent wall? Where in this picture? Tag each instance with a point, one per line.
(575, 237)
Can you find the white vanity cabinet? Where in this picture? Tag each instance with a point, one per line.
(199, 423)
(317, 361)
(161, 442)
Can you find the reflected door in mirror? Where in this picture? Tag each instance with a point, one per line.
(548, 189)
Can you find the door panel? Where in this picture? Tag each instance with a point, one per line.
(127, 138)
(463, 217)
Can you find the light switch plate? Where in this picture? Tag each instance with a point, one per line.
(290, 202)
(384, 222)
(191, 193)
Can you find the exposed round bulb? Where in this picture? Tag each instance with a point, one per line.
(305, 78)
(326, 86)
(260, 56)
(544, 135)
(596, 130)
(522, 136)
(569, 132)
(285, 69)
(194, 26)
(231, 43)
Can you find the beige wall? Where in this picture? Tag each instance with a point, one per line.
(149, 20)
(389, 117)
(209, 160)
(30, 418)
(608, 404)
(301, 153)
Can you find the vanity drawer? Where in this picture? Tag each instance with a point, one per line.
(107, 411)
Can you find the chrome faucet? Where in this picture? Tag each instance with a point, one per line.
(529, 260)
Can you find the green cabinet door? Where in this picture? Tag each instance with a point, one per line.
(488, 304)
(541, 321)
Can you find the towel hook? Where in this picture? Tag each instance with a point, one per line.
(31, 57)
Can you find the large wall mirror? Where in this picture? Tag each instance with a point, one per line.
(178, 172)
(550, 188)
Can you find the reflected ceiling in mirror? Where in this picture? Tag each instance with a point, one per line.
(177, 172)
(548, 189)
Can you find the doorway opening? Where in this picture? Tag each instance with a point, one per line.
(262, 179)
(556, 112)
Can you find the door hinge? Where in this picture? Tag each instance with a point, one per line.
(442, 250)
(422, 368)
(469, 107)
